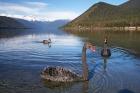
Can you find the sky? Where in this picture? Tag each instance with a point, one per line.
(48, 10)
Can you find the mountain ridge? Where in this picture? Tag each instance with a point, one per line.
(17, 23)
(11, 23)
(106, 15)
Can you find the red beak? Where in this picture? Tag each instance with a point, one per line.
(93, 48)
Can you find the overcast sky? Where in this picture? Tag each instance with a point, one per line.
(48, 9)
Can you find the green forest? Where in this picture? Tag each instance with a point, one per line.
(105, 15)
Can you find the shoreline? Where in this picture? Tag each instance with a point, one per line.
(132, 28)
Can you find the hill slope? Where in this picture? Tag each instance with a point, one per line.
(7, 22)
(106, 15)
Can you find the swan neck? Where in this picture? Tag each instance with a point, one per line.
(84, 64)
(84, 54)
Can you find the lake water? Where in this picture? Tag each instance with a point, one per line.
(23, 57)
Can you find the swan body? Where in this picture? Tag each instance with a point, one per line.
(105, 52)
(47, 41)
(61, 74)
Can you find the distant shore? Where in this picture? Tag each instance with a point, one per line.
(132, 28)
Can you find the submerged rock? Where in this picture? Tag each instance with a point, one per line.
(59, 74)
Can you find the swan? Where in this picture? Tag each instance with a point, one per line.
(61, 74)
(47, 41)
(105, 52)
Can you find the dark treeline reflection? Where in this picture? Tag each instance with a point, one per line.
(10, 33)
(127, 40)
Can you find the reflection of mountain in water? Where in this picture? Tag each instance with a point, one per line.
(7, 33)
(129, 41)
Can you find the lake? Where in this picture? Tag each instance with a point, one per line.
(23, 57)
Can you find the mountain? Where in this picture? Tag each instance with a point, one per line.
(43, 24)
(106, 15)
(7, 22)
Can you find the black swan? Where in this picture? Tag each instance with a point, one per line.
(105, 52)
(61, 74)
(47, 41)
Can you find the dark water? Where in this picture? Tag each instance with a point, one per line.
(23, 56)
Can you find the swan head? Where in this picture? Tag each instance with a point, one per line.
(49, 39)
(90, 46)
(105, 40)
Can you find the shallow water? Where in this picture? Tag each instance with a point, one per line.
(23, 56)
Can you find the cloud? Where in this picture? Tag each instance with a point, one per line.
(38, 10)
(13, 8)
(37, 4)
(58, 15)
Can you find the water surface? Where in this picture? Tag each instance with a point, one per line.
(23, 56)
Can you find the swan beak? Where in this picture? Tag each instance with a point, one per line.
(93, 48)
